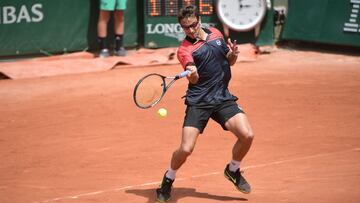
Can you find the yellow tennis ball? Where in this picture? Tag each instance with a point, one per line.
(162, 112)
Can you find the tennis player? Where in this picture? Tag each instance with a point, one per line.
(205, 53)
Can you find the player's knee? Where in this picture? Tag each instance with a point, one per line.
(250, 135)
(247, 136)
(186, 151)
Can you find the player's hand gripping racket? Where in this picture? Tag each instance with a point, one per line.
(151, 88)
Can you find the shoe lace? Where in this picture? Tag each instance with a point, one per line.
(238, 175)
(239, 178)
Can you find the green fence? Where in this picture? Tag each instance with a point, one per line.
(324, 21)
(53, 26)
(57, 26)
(60, 26)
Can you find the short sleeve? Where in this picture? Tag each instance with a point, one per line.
(184, 56)
(216, 32)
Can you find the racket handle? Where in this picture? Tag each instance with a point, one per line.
(182, 74)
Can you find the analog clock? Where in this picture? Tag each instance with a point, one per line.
(241, 15)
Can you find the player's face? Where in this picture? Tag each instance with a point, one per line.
(191, 26)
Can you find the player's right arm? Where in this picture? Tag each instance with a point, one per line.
(187, 61)
(193, 76)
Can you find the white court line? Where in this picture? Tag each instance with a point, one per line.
(195, 176)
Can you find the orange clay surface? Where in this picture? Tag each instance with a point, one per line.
(80, 138)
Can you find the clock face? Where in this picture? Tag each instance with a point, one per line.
(241, 15)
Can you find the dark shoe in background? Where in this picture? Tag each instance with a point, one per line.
(121, 52)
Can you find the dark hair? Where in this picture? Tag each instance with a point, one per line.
(188, 11)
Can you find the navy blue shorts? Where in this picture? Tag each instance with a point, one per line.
(198, 116)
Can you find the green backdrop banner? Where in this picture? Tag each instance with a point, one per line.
(58, 26)
(324, 21)
(55, 26)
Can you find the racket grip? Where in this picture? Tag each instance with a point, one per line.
(182, 74)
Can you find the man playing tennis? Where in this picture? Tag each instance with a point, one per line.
(205, 53)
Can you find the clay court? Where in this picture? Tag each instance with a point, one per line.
(80, 138)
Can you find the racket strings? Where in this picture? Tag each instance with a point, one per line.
(149, 91)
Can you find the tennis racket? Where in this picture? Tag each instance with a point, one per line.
(151, 88)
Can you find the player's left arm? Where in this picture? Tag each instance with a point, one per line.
(233, 52)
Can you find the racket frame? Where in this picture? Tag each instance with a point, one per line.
(165, 85)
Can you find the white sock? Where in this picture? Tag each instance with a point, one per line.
(234, 165)
(171, 174)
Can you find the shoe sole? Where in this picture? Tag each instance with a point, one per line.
(243, 191)
(162, 201)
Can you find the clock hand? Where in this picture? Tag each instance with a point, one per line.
(244, 6)
(240, 2)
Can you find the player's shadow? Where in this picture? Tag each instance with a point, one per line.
(179, 193)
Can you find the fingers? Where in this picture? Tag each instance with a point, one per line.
(192, 70)
(233, 46)
(193, 75)
(229, 42)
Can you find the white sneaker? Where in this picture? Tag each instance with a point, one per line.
(104, 53)
(121, 52)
